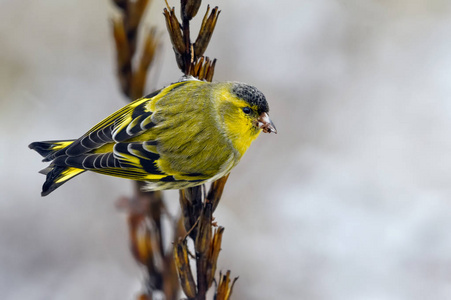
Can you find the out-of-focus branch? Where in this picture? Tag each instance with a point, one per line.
(125, 31)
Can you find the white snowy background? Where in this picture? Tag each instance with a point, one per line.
(350, 200)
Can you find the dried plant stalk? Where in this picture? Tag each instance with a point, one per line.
(147, 208)
(197, 211)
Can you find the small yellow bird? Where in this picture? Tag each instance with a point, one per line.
(180, 136)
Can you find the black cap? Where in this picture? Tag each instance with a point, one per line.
(251, 95)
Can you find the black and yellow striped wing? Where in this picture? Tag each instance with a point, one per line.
(126, 144)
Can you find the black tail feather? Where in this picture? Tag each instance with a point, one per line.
(49, 184)
(47, 148)
(56, 175)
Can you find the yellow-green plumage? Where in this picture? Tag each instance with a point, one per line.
(181, 136)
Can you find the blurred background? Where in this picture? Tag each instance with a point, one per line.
(350, 200)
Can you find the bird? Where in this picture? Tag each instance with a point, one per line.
(183, 135)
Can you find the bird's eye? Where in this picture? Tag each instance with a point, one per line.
(247, 110)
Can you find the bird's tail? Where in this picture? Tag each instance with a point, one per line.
(56, 175)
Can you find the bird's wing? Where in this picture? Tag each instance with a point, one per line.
(124, 145)
(124, 124)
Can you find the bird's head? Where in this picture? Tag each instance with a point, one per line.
(245, 113)
(254, 106)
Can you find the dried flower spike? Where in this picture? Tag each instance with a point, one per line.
(190, 8)
(216, 189)
(184, 269)
(224, 290)
(175, 32)
(213, 254)
(206, 31)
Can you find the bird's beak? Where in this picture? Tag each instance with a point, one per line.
(265, 123)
